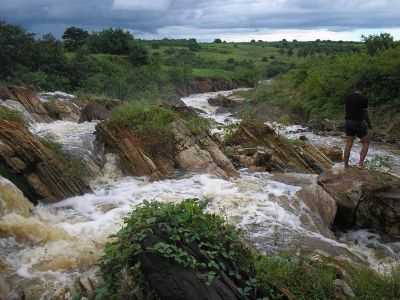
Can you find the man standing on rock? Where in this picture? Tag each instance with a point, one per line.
(357, 124)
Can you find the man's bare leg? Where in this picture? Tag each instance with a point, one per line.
(364, 150)
(347, 150)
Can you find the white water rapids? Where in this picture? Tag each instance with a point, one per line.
(61, 242)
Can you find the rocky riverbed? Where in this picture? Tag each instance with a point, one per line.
(45, 249)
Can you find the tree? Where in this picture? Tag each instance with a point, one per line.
(290, 52)
(111, 41)
(193, 45)
(74, 38)
(218, 41)
(138, 55)
(253, 41)
(16, 49)
(376, 43)
(49, 55)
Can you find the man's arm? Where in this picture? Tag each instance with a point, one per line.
(366, 114)
(367, 119)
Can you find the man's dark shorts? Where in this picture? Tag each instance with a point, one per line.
(356, 128)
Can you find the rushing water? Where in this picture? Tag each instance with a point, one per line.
(61, 242)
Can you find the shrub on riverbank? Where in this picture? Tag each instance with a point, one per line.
(152, 119)
(317, 91)
(183, 238)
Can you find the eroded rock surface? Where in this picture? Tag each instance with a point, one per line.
(36, 168)
(28, 99)
(365, 198)
(12, 200)
(282, 155)
(97, 110)
(182, 150)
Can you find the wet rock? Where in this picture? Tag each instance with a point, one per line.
(334, 153)
(285, 156)
(206, 85)
(30, 229)
(173, 282)
(29, 100)
(225, 101)
(326, 125)
(200, 153)
(181, 150)
(365, 198)
(256, 159)
(62, 110)
(12, 200)
(96, 110)
(37, 169)
(15, 105)
(321, 207)
(130, 148)
(87, 287)
(343, 291)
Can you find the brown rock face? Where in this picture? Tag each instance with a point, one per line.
(28, 98)
(12, 200)
(322, 207)
(283, 155)
(34, 167)
(141, 156)
(365, 198)
(97, 111)
(62, 110)
(334, 153)
(206, 85)
(227, 102)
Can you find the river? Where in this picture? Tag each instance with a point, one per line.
(62, 241)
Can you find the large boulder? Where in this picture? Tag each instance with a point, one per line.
(285, 155)
(29, 100)
(62, 110)
(365, 198)
(144, 156)
(318, 208)
(35, 167)
(17, 106)
(335, 153)
(12, 200)
(96, 110)
(226, 101)
(206, 85)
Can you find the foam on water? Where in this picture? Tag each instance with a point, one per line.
(376, 150)
(75, 138)
(64, 240)
(200, 101)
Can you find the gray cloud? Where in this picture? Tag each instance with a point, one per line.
(156, 17)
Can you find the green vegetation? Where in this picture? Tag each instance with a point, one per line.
(152, 122)
(174, 229)
(311, 91)
(145, 118)
(10, 115)
(369, 285)
(304, 279)
(170, 231)
(113, 63)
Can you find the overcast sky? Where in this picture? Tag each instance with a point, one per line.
(232, 20)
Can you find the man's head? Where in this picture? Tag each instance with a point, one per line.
(359, 87)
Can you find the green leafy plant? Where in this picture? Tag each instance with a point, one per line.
(182, 233)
